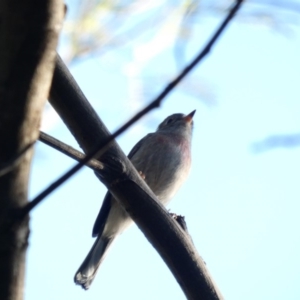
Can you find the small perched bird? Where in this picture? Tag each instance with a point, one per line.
(163, 159)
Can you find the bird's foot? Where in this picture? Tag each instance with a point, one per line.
(142, 175)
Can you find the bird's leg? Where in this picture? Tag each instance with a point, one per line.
(142, 175)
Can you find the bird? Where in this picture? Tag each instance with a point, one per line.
(163, 158)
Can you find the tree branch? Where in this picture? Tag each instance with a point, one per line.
(101, 148)
(47, 139)
(29, 32)
(125, 183)
(127, 186)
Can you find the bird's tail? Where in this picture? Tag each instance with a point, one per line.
(88, 269)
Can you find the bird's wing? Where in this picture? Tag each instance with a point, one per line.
(102, 216)
(135, 149)
(106, 205)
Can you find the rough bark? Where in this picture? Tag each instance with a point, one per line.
(29, 32)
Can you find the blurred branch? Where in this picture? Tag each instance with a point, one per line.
(292, 6)
(101, 42)
(277, 141)
(97, 152)
(123, 181)
(69, 151)
(99, 27)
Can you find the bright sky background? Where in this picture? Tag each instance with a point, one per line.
(241, 207)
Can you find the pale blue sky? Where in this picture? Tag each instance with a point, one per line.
(241, 208)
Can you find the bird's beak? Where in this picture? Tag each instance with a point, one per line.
(189, 118)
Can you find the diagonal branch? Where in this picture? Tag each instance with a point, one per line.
(101, 148)
(94, 164)
(69, 151)
(126, 184)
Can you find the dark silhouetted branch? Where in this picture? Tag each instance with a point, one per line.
(69, 151)
(155, 103)
(29, 32)
(123, 181)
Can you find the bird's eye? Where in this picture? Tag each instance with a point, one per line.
(169, 121)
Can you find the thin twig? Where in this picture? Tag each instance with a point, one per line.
(155, 103)
(49, 140)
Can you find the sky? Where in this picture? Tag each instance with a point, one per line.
(241, 206)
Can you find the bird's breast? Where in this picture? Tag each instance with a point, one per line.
(165, 164)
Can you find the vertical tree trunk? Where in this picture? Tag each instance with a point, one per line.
(29, 31)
